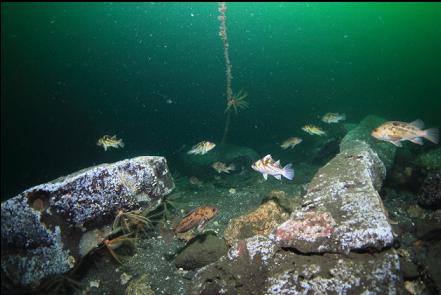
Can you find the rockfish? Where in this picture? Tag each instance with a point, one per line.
(107, 142)
(333, 117)
(201, 148)
(395, 132)
(198, 217)
(311, 129)
(291, 142)
(221, 167)
(268, 166)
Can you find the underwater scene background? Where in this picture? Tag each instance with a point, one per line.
(154, 75)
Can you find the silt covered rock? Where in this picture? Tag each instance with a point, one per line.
(342, 210)
(48, 228)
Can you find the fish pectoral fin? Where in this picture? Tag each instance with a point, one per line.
(202, 225)
(278, 176)
(417, 140)
(396, 143)
(265, 176)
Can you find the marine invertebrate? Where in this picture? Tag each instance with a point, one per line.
(132, 222)
(118, 242)
(237, 101)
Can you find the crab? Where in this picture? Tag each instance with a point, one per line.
(132, 222)
(118, 242)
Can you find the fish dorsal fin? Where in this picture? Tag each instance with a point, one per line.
(277, 163)
(418, 124)
(188, 213)
(113, 137)
(267, 157)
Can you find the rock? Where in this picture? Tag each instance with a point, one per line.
(432, 266)
(258, 266)
(48, 228)
(385, 150)
(430, 192)
(416, 287)
(409, 270)
(202, 250)
(342, 210)
(428, 227)
(200, 165)
(259, 222)
(140, 286)
(429, 161)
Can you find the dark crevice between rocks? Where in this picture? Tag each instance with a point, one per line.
(357, 251)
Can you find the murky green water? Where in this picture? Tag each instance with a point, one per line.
(154, 75)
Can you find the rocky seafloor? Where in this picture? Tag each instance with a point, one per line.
(366, 221)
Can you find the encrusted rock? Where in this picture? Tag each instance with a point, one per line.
(430, 194)
(48, 228)
(342, 210)
(258, 266)
(259, 222)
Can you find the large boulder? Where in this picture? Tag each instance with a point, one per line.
(48, 228)
(342, 210)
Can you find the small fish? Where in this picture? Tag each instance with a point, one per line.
(201, 148)
(333, 118)
(222, 167)
(291, 142)
(107, 142)
(198, 217)
(395, 132)
(311, 129)
(268, 166)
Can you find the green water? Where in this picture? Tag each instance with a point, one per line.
(154, 75)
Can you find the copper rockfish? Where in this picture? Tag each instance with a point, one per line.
(267, 166)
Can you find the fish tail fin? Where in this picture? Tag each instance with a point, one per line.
(288, 172)
(432, 135)
(343, 116)
(121, 143)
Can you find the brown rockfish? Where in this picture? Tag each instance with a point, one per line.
(395, 132)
